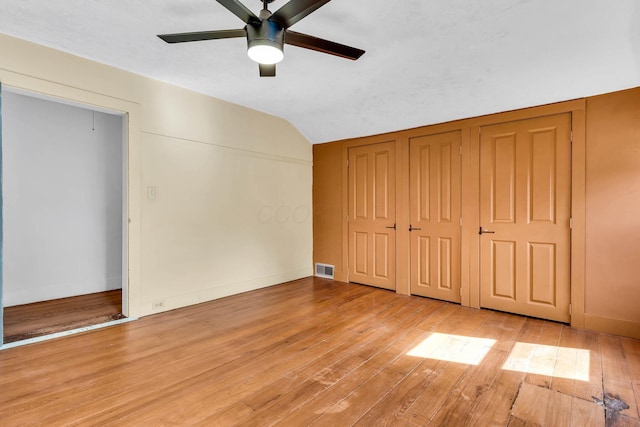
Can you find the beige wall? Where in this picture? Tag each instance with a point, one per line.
(233, 211)
(606, 241)
(612, 294)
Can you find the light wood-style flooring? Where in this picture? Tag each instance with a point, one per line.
(324, 353)
(47, 317)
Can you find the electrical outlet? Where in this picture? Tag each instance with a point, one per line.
(157, 305)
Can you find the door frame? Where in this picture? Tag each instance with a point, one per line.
(373, 221)
(35, 87)
(470, 250)
(557, 308)
(471, 200)
(379, 139)
(1, 234)
(456, 220)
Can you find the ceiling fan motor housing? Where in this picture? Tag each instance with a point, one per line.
(267, 33)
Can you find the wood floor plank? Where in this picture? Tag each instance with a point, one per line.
(493, 407)
(231, 390)
(517, 422)
(617, 378)
(559, 410)
(332, 400)
(631, 350)
(290, 401)
(586, 413)
(305, 352)
(541, 406)
(635, 385)
(623, 421)
(350, 409)
(310, 411)
(360, 396)
(417, 397)
(531, 404)
(460, 407)
(579, 374)
(26, 321)
(543, 355)
(183, 358)
(242, 363)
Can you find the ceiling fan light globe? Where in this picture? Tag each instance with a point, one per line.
(265, 54)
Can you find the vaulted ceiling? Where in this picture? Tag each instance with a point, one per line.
(426, 61)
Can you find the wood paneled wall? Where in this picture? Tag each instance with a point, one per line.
(605, 266)
(328, 163)
(612, 294)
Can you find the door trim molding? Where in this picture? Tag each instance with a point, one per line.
(132, 128)
(358, 142)
(578, 215)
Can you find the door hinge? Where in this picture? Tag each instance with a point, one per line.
(571, 140)
(570, 223)
(347, 163)
(569, 309)
(460, 221)
(461, 150)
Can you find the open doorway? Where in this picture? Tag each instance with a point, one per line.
(63, 205)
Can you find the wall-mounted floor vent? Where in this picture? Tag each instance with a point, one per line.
(324, 270)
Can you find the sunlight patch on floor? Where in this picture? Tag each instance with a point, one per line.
(563, 362)
(453, 348)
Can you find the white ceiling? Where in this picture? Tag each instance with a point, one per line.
(426, 61)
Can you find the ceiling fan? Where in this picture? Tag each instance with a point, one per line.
(268, 32)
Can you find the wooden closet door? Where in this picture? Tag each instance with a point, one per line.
(525, 205)
(435, 181)
(372, 215)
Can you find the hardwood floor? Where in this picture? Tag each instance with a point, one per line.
(324, 353)
(47, 317)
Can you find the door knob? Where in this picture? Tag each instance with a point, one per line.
(394, 227)
(413, 228)
(481, 231)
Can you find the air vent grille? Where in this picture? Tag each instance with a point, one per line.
(324, 270)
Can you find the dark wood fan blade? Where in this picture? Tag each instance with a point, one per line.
(240, 10)
(202, 35)
(295, 10)
(267, 70)
(322, 45)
